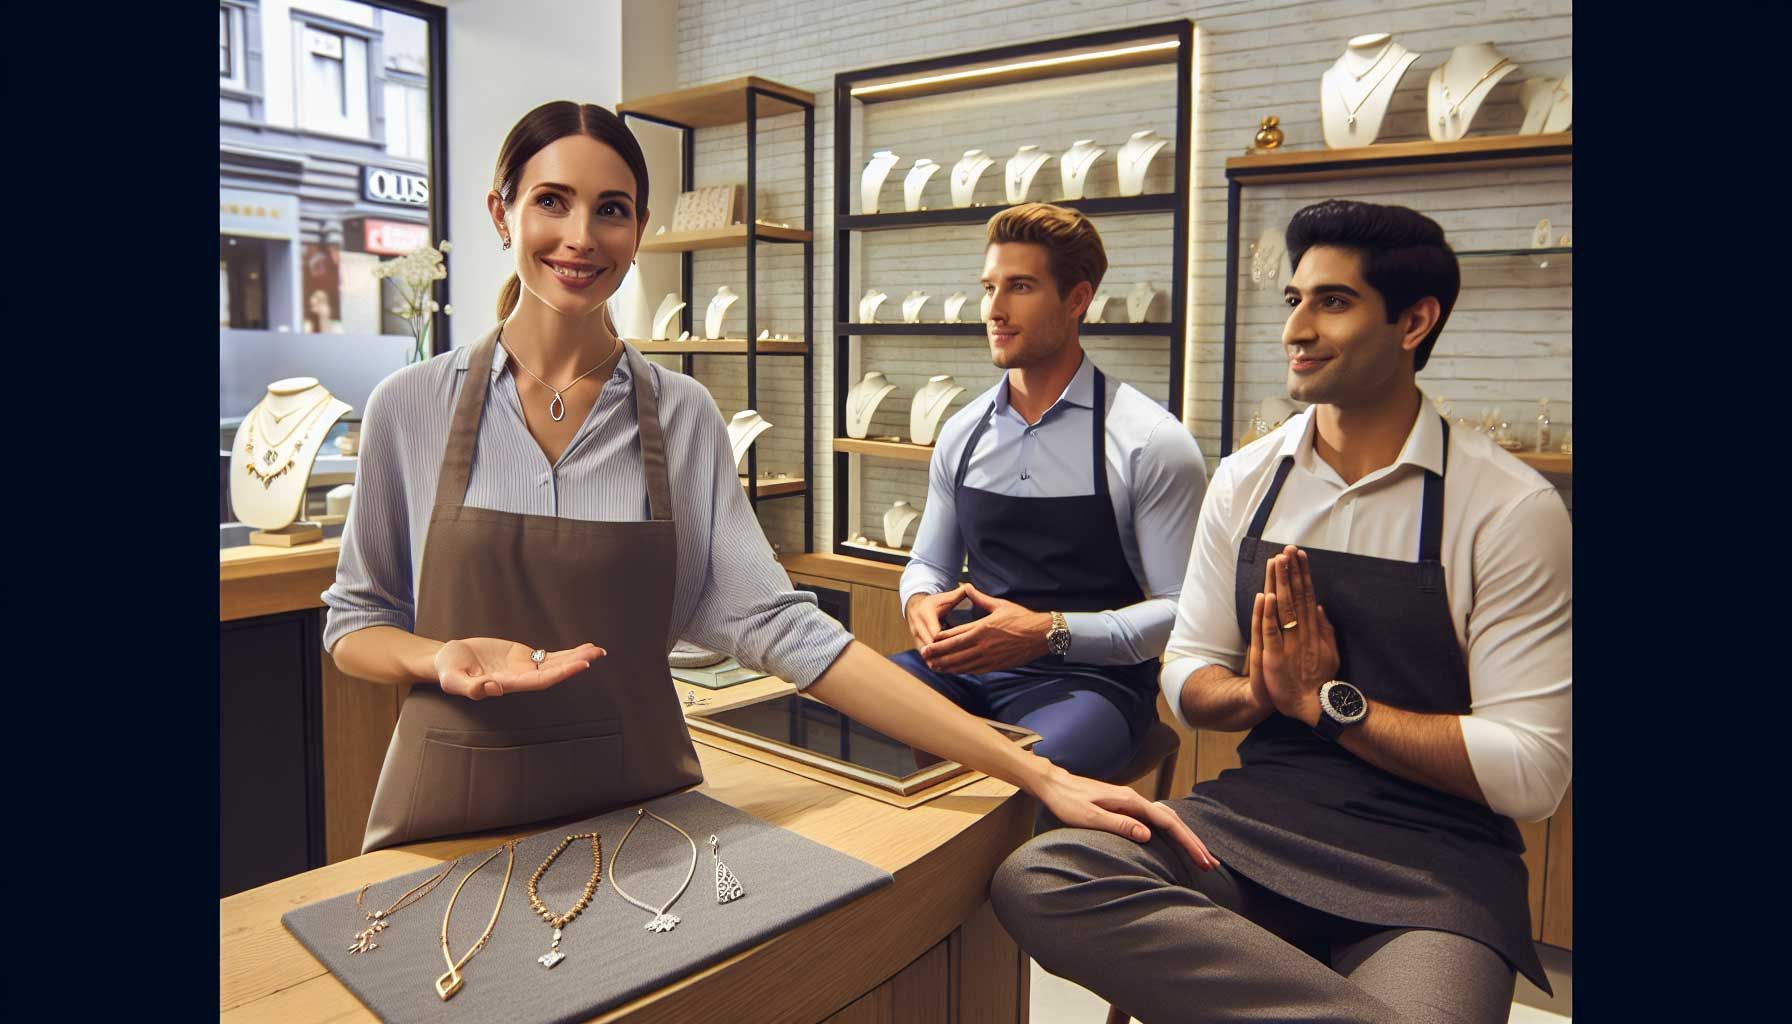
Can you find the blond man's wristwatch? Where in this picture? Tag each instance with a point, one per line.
(1057, 639)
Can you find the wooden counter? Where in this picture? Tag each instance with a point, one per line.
(927, 948)
(255, 580)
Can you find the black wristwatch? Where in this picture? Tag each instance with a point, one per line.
(1341, 705)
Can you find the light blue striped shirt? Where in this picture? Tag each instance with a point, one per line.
(1156, 478)
(730, 593)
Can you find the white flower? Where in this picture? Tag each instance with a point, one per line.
(447, 246)
(434, 305)
(448, 310)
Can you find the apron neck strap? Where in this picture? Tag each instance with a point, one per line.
(463, 430)
(1097, 431)
(653, 439)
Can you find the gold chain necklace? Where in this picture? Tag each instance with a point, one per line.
(281, 417)
(1385, 50)
(557, 408)
(450, 982)
(1443, 85)
(271, 455)
(559, 921)
(1350, 111)
(276, 441)
(380, 918)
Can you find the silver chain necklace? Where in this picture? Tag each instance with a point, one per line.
(557, 407)
(662, 921)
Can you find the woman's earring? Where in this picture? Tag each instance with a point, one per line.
(506, 241)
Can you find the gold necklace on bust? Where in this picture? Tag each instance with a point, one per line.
(381, 918)
(1443, 84)
(1350, 111)
(450, 982)
(271, 454)
(559, 921)
(308, 410)
(281, 417)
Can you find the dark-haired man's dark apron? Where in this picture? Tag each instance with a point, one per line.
(1308, 819)
(1051, 554)
(611, 735)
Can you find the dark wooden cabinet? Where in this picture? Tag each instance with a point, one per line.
(270, 777)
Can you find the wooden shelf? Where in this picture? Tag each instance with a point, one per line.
(976, 327)
(1157, 202)
(1548, 462)
(1481, 153)
(845, 568)
(733, 236)
(903, 553)
(719, 103)
(777, 488)
(1025, 63)
(886, 449)
(719, 347)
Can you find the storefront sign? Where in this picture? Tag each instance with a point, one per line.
(384, 237)
(383, 186)
(257, 214)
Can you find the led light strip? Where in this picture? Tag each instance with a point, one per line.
(1021, 66)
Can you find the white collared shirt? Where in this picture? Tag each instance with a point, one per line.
(1508, 574)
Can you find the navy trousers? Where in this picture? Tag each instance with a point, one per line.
(1087, 724)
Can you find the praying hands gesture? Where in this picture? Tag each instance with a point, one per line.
(1293, 649)
(482, 666)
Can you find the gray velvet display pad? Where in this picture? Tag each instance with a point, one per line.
(610, 956)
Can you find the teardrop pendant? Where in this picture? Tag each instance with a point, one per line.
(557, 408)
(1350, 121)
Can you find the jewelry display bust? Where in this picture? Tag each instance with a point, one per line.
(915, 182)
(1354, 92)
(1268, 259)
(1134, 157)
(662, 318)
(954, 302)
(862, 402)
(1458, 87)
(1097, 306)
(965, 174)
(897, 519)
(911, 307)
(871, 182)
(868, 305)
(930, 405)
(1074, 165)
(1138, 301)
(1548, 104)
(274, 449)
(1022, 166)
(743, 430)
(718, 312)
(628, 307)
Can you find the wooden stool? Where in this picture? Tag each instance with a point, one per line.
(1158, 753)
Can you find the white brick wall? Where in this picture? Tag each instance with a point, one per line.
(1507, 343)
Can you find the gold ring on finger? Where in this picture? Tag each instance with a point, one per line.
(1290, 624)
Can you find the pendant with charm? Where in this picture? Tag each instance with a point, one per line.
(553, 955)
(662, 923)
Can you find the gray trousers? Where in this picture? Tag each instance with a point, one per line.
(1139, 926)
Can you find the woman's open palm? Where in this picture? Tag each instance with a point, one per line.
(482, 666)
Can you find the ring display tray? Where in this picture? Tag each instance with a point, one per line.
(610, 957)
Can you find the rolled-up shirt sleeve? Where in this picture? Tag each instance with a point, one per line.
(1519, 730)
(748, 606)
(1206, 630)
(373, 584)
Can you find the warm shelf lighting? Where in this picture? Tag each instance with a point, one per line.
(1025, 65)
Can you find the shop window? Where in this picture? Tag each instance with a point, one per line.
(243, 283)
(231, 56)
(407, 119)
(333, 83)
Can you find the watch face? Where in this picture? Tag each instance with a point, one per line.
(1345, 701)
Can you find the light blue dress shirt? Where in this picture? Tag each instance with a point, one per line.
(1156, 477)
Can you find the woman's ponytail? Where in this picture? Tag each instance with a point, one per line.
(508, 295)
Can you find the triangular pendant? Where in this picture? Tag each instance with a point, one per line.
(727, 886)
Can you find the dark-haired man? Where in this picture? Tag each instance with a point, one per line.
(1404, 674)
(1072, 497)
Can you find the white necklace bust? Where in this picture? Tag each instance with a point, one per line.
(280, 438)
(911, 306)
(868, 305)
(743, 429)
(1134, 157)
(1138, 301)
(915, 182)
(718, 312)
(965, 174)
(929, 407)
(662, 318)
(1074, 165)
(1548, 104)
(1097, 306)
(1458, 87)
(1022, 166)
(1354, 92)
(954, 302)
(896, 522)
(871, 182)
(862, 402)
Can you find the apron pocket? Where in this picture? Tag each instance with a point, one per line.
(483, 779)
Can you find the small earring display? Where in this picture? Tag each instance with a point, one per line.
(728, 887)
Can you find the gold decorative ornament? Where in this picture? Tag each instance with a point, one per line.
(1269, 135)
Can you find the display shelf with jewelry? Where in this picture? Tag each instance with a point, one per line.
(1106, 168)
(741, 102)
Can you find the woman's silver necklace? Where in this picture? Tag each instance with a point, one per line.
(662, 921)
(557, 407)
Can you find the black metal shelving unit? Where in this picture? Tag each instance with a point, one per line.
(737, 101)
(1160, 43)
